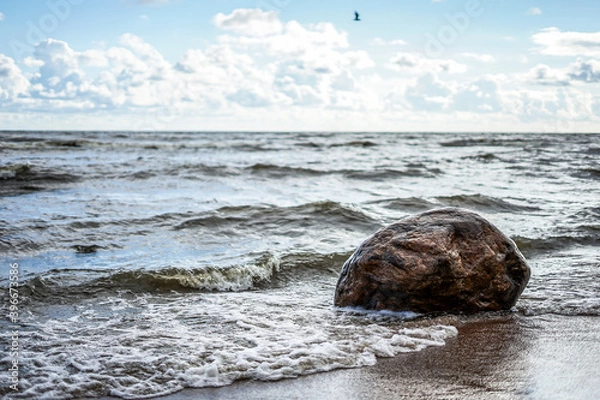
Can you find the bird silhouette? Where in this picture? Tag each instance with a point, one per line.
(356, 16)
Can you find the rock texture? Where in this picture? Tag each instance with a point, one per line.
(446, 260)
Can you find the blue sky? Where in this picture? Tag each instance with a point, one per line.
(280, 65)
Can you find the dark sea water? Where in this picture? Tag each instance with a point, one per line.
(151, 262)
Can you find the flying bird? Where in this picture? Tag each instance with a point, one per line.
(356, 16)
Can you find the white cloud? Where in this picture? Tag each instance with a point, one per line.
(289, 40)
(297, 39)
(133, 74)
(485, 58)
(544, 75)
(92, 58)
(557, 109)
(381, 42)
(250, 98)
(481, 95)
(300, 93)
(2, 17)
(552, 41)
(155, 65)
(477, 96)
(356, 59)
(404, 62)
(429, 93)
(306, 64)
(12, 81)
(577, 73)
(60, 70)
(585, 71)
(32, 62)
(251, 22)
(534, 11)
(315, 43)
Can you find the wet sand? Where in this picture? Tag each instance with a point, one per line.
(508, 357)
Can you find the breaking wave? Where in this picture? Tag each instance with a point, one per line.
(266, 271)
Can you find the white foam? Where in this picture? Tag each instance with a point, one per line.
(153, 346)
(233, 278)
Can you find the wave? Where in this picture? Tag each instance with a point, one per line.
(409, 204)
(484, 203)
(68, 143)
(477, 202)
(580, 229)
(201, 171)
(312, 144)
(465, 142)
(531, 142)
(587, 214)
(29, 141)
(485, 157)
(281, 219)
(376, 174)
(285, 171)
(282, 171)
(382, 174)
(531, 306)
(499, 140)
(593, 150)
(535, 246)
(195, 171)
(20, 137)
(86, 248)
(265, 272)
(587, 173)
(571, 290)
(22, 178)
(76, 141)
(186, 171)
(9, 244)
(356, 143)
(271, 171)
(260, 220)
(489, 140)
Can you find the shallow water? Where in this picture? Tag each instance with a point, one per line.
(150, 262)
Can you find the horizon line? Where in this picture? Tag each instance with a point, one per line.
(289, 131)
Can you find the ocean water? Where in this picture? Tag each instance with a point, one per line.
(152, 262)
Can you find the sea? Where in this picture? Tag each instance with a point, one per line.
(137, 264)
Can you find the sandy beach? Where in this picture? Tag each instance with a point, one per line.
(509, 357)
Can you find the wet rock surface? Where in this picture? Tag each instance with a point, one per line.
(445, 260)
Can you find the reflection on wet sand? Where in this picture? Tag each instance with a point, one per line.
(487, 359)
(563, 359)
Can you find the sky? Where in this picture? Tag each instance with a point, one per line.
(291, 65)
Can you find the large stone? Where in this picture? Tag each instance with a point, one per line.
(445, 260)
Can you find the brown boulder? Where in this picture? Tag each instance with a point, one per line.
(446, 260)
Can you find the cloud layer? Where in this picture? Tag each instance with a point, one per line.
(265, 73)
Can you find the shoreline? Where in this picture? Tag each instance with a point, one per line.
(508, 357)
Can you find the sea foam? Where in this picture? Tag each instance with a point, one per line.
(147, 346)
